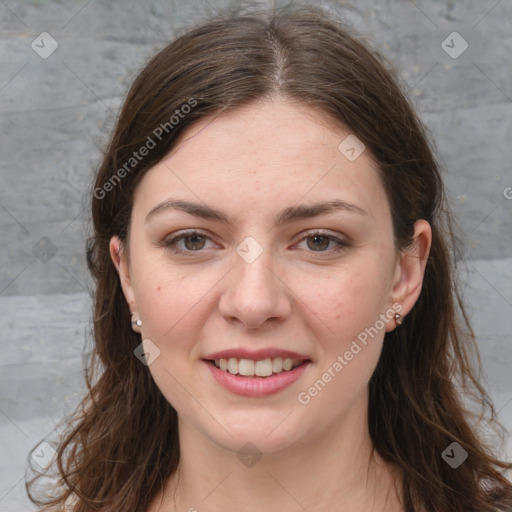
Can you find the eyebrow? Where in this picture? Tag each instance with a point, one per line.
(288, 215)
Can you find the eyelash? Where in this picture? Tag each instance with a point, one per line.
(171, 243)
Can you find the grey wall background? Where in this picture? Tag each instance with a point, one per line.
(56, 112)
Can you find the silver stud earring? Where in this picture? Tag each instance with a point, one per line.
(137, 322)
(398, 319)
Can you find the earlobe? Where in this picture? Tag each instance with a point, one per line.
(412, 264)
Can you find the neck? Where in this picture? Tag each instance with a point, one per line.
(338, 470)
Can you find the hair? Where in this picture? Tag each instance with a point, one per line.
(122, 442)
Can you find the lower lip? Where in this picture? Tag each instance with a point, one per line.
(256, 386)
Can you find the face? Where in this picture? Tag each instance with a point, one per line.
(257, 239)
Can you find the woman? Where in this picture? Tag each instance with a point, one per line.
(276, 324)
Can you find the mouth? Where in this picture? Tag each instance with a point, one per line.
(251, 368)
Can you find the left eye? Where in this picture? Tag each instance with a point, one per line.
(319, 242)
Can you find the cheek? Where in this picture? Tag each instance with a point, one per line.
(170, 312)
(173, 311)
(347, 300)
(169, 296)
(350, 302)
(351, 306)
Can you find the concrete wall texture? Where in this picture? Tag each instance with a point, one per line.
(65, 69)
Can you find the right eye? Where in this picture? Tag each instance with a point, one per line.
(192, 241)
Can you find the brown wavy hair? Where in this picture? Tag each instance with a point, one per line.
(121, 445)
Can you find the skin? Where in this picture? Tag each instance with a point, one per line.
(252, 163)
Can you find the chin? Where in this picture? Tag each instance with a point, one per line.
(267, 433)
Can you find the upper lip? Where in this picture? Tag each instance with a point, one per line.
(256, 355)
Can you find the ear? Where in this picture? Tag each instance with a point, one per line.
(410, 268)
(120, 259)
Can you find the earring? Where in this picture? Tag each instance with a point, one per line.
(398, 319)
(136, 324)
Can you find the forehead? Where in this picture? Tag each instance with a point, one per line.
(268, 152)
(283, 129)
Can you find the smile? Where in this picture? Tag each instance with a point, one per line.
(261, 368)
(247, 379)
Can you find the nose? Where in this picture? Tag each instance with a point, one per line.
(254, 293)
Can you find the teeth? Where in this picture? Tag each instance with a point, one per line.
(277, 364)
(245, 367)
(262, 368)
(287, 364)
(233, 365)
